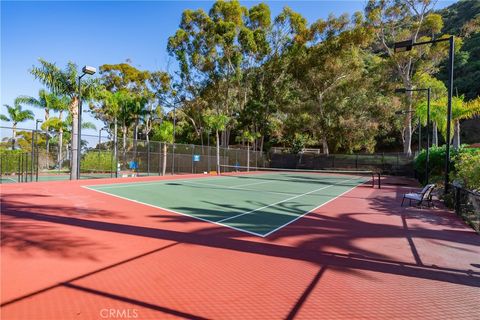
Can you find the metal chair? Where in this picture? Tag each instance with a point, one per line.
(424, 195)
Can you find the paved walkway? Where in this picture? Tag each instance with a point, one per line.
(68, 254)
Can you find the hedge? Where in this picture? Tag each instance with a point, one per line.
(437, 162)
(97, 161)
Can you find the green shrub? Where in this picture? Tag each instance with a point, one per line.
(97, 161)
(437, 162)
(467, 169)
(10, 160)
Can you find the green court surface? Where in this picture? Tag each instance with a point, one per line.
(258, 204)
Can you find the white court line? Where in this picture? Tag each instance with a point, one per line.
(236, 188)
(291, 221)
(285, 200)
(219, 222)
(249, 184)
(177, 212)
(129, 184)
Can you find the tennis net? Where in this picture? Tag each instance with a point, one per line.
(369, 177)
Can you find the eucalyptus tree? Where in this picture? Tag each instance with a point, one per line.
(115, 107)
(249, 137)
(217, 123)
(63, 82)
(333, 58)
(135, 87)
(16, 115)
(161, 94)
(214, 49)
(394, 21)
(164, 133)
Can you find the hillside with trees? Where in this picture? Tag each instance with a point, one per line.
(246, 77)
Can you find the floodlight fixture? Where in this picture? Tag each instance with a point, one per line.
(403, 46)
(89, 70)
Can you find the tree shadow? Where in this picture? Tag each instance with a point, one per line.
(29, 239)
(316, 233)
(26, 237)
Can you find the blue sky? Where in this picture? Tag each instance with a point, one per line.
(99, 32)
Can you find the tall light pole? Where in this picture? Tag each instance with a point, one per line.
(173, 146)
(115, 146)
(100, 137)
(34, 137)
(404, 90)
(36, 147)
(76, 150)
(407, 46)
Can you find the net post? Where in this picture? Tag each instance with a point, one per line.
(379, 180)
(193, 163)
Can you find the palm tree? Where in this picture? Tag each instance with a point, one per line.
(438, 89)
(64, 83)
(461, 110)
(16, 115)
(45, 101)
(50, 101)
(437, 117)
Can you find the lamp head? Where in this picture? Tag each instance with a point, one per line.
(403, 46)
(401, 90)
(89, 70)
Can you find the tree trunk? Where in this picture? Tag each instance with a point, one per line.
(434, 134)
(322, 128)
(456, 135)
(164, 166)
(218, 152)
(407, 141)
(14, 135)
(325, 145)
(47, 149)
(60, 142)
(124, 134)
(135, 138)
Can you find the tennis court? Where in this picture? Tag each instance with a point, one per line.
(259, 202)
(236, 246)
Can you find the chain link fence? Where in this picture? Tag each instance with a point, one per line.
(387, 163)
(466, 204)
(102, 158)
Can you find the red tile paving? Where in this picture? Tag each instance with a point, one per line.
(70, 253)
